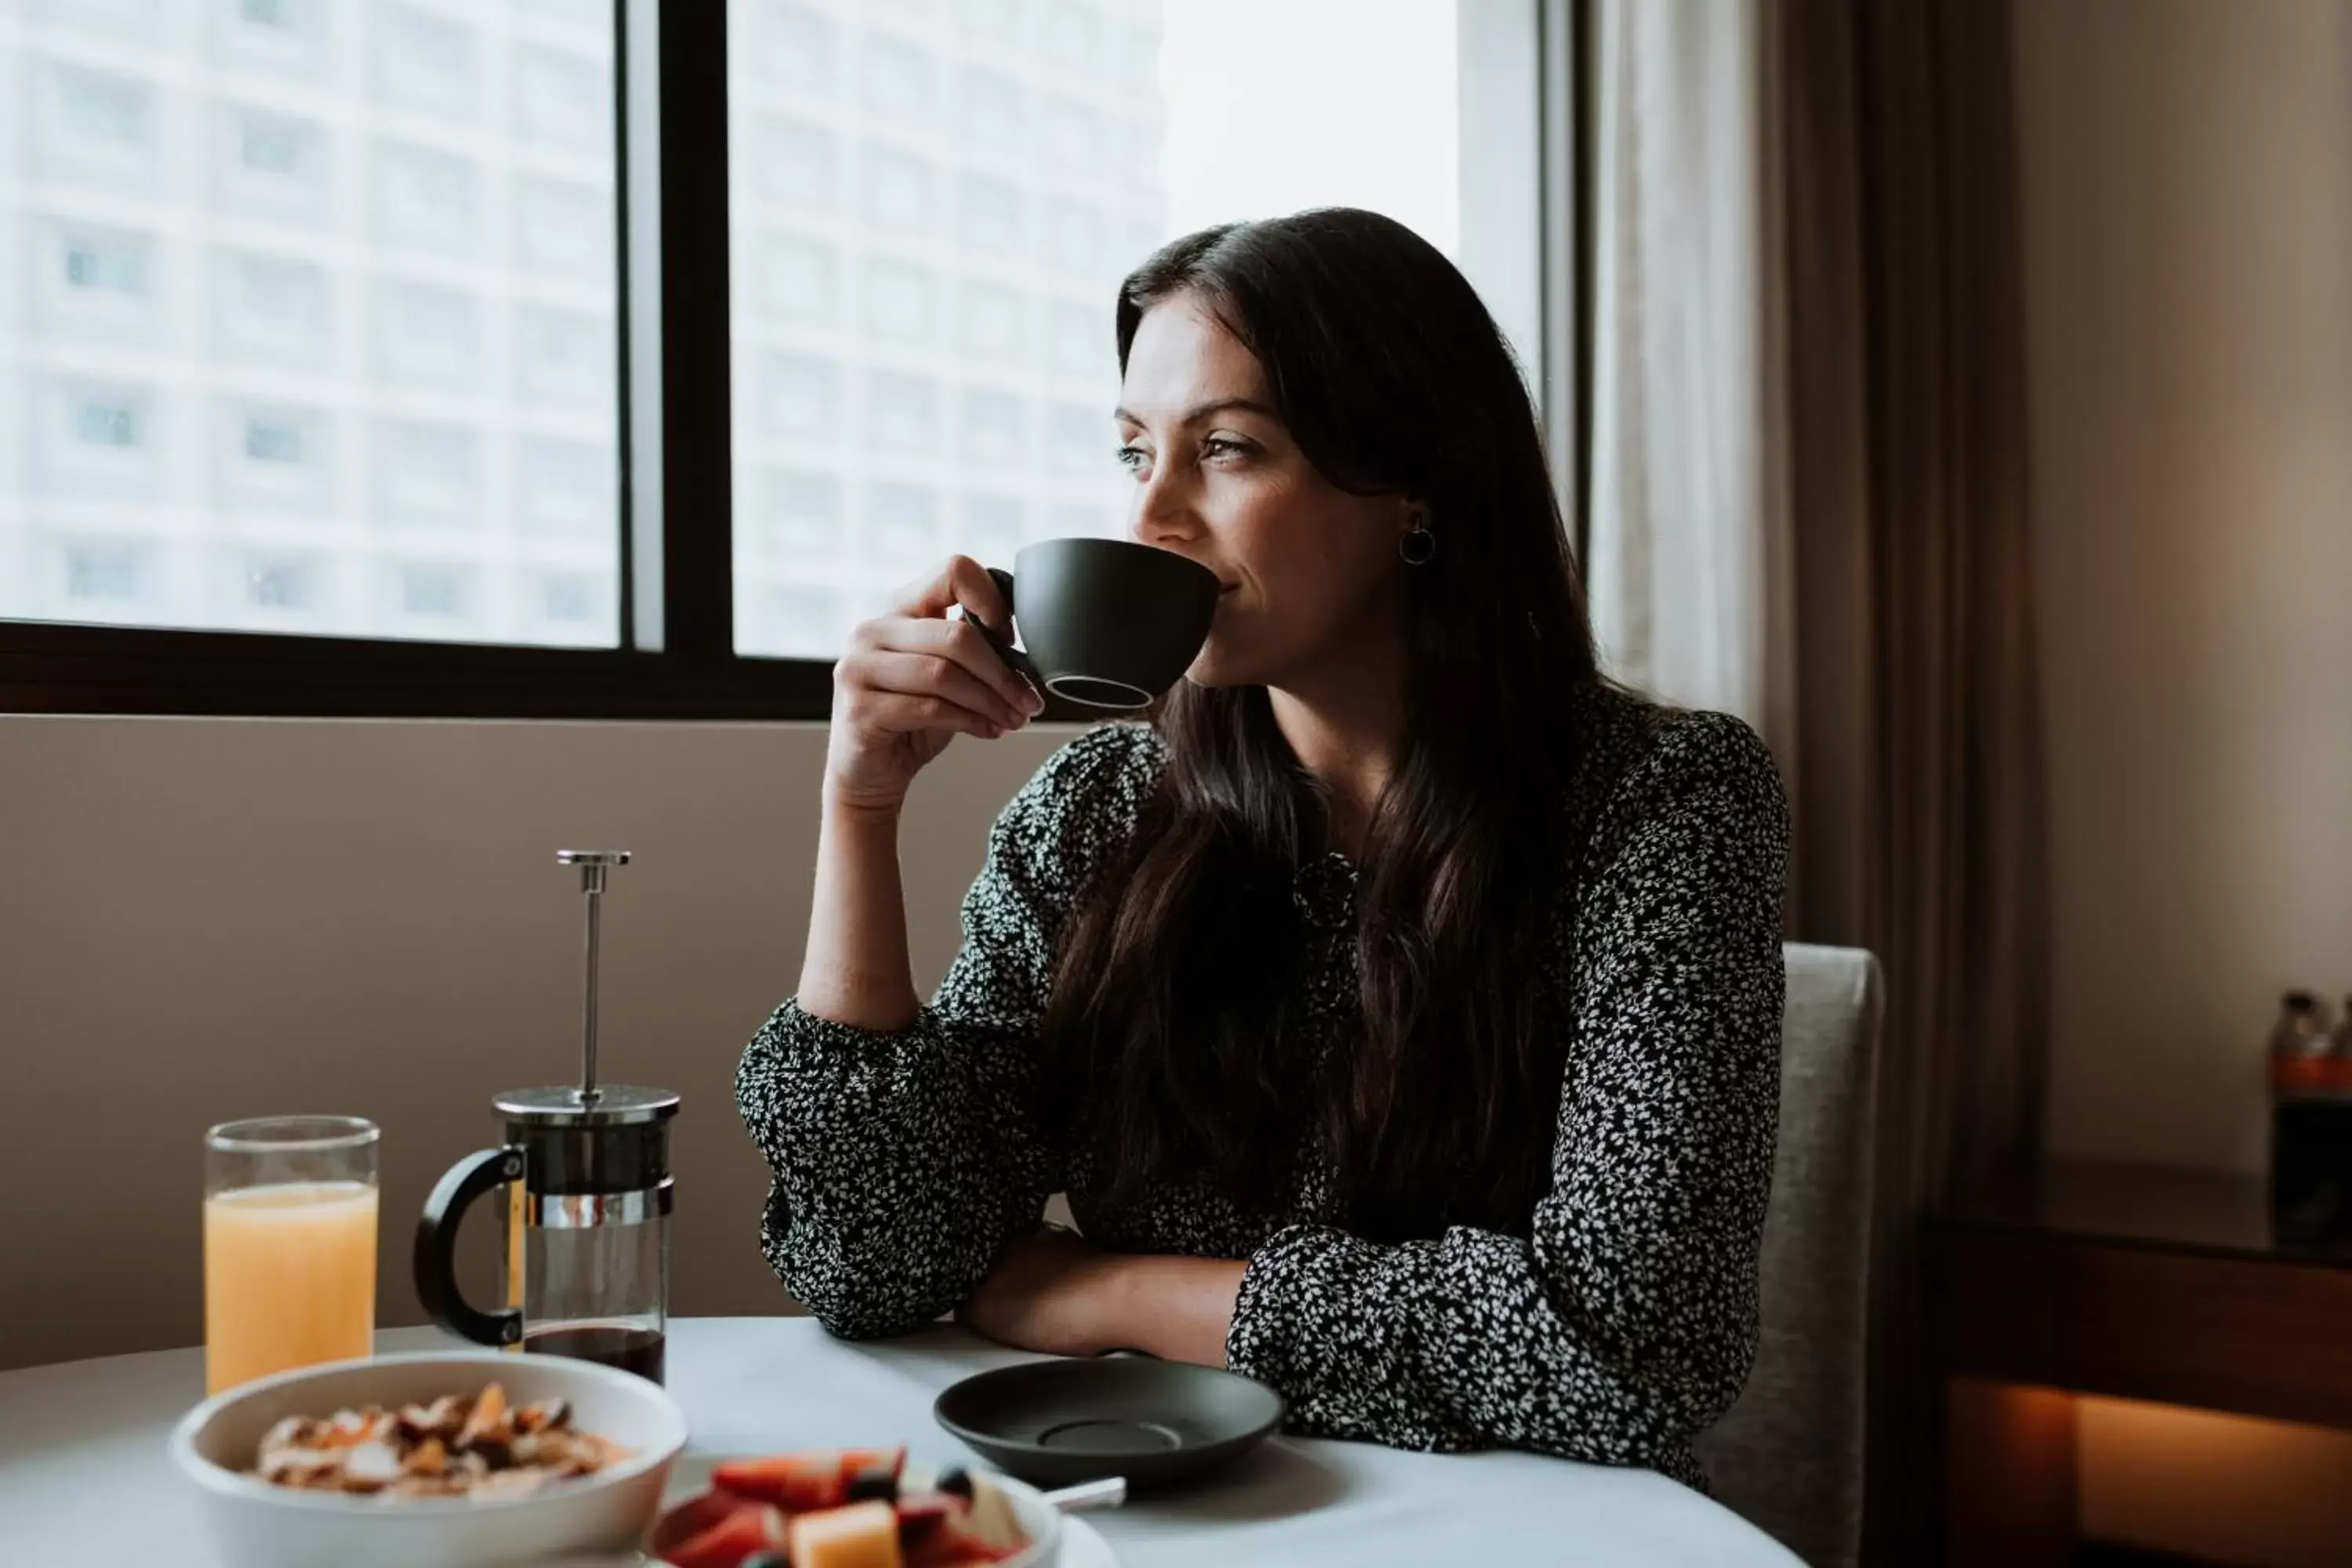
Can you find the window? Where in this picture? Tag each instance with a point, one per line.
(802, 514)
(425, 62)
(798, 280)
(93, 282)
(796, 165)
(439, 590)
(282, 37)
(427, 335)
(900, 194)
(336, 314)
(93, 128)
(803, 395)
(273, 166)
(900, 81)
(900, 412)
(426, 474)
(565, 101)
(426, 200)
(563, 229)
(991, 215)
(275, 456)
(799, 51)
(280, 589)
(270, 310)
(994, 424)
(306, 281)
(1011, 160)
(105, 572)
(899, 302)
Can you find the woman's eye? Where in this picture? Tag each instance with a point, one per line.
(1222, 447)
(1133, 459)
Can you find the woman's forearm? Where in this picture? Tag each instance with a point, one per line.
(1178, 1308)
(856, 970)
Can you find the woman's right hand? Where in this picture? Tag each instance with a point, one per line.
(911, 680)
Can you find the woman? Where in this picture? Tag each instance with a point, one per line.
(1400, 1008)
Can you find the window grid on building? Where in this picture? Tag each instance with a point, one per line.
(311, 289)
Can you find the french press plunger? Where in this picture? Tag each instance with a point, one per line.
(586, 1169)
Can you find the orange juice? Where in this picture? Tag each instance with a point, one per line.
(289, 1279)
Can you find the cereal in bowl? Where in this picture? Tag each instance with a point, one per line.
(482, 1447)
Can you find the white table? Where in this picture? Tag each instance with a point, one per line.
(84, 1478)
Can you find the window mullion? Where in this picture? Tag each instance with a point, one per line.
(685, 547)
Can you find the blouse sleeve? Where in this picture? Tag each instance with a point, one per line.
(903, 1163)
(1624, 1322)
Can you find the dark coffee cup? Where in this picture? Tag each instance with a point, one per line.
(1103, 622)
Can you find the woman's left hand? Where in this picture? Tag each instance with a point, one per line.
(1054, 1293)
(1049, 1292)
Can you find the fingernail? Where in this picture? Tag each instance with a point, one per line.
(1031, 701)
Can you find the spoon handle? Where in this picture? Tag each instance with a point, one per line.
(1088, 1496)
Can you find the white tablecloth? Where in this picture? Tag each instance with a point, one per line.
(84, 1478)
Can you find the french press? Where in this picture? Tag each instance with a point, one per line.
(586, 1170)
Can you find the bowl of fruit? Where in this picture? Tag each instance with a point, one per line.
(864, 1508)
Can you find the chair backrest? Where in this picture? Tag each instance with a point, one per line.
(1789, 1456)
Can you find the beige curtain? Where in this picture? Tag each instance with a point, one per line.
(1809, 507)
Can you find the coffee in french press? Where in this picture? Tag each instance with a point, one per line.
(588, 1190)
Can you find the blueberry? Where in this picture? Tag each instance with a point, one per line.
(958, 1482)
(766, 1560)
(875, 1483)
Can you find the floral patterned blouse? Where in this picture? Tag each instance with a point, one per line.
(1614, 1323)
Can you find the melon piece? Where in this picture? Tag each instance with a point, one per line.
(863, 1535)
(992, 1519)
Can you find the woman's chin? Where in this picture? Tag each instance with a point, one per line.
(1212, 669)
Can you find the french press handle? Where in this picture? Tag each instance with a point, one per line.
(436, 1247)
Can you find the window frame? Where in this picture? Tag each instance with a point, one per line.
(675, 657)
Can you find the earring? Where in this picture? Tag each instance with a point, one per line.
(1418, 545)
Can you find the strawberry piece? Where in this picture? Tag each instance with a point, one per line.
(750, 1527)
(797, 1483)
(920, 1510)
(692, 1516)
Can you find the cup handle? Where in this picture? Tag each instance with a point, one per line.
(1002, 641)
(436, 1247)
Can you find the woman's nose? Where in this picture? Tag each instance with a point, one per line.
(1164, 514)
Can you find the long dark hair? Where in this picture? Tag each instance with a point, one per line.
(1174, 1001)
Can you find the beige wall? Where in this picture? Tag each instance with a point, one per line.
(2188, 182)
(206, 918)
(2188, 172)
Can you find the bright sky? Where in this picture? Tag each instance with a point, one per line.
(1274, 105)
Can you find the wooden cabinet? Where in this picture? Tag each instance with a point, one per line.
(2142, 1284)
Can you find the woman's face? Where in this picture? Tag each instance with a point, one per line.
(1310, 572)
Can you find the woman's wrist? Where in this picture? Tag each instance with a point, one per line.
(1114, 1303)
(857, 815)
(1172, 1307)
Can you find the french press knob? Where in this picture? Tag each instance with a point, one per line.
(586, 1170)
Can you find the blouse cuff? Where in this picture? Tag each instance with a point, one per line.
(1300, 1312)
(792, 1024)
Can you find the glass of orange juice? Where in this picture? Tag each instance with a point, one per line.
(290, 1244)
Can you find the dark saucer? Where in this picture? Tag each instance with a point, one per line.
(1055, 1422)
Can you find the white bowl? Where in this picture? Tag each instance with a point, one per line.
(1040, 1521)
(257, 1525)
